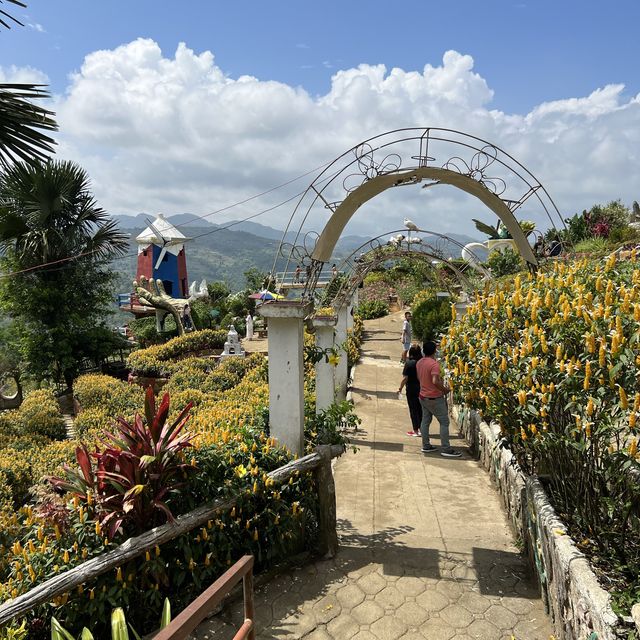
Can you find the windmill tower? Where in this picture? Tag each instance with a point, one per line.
(161, 257)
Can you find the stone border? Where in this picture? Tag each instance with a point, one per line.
(577, 604)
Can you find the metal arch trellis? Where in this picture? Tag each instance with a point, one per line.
(423, 245)
(399, 152)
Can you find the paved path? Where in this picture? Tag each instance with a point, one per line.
(426, 551)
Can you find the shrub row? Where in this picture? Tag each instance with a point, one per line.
(156, 360)
(555, 360)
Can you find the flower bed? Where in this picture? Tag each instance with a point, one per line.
(553, 360)
(230, 453)
(157, 360)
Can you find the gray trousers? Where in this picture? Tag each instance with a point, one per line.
(435, 407)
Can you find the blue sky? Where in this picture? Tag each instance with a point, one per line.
(532, 51)
(262, 92)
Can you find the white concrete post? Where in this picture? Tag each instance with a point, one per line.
(350, 312)
(341, 371)
(325, 386)
(286, 372)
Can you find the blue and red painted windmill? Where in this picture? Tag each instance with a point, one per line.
(161, 257)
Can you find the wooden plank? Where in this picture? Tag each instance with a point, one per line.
(134, 547)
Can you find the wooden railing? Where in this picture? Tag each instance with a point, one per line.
(204, 604)
(318, 462)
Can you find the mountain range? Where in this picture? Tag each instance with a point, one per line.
(224, 252)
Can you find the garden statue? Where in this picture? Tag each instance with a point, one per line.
(499, 240)
(232, 346)
(152, 294)
(196, 292)
(249, 323)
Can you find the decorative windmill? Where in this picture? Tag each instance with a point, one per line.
(161, 256)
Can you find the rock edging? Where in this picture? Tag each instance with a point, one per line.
(577, 604)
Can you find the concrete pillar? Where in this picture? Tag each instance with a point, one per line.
(341, 371)
(286, 372)
(350, 312)
(325, 386)
(355, 298)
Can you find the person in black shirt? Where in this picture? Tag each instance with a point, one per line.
(411, 382)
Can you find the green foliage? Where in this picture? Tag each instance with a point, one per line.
(328, 426)
(22, 123)
(145, 333)
(256, 279)
(373, 309)
(119, 629)
(594, 246)
(155, 360)
(49, 216)
(15, 631)
(98, 391)
(40, 415)
(601, 221)
(430, 316)
(554, 360)
(505, 262)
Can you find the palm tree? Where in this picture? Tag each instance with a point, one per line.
(8, 15)
(47, 213)
(22, 123)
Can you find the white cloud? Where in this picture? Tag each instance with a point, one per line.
(22, 75)
(177, 134)
(36, 26)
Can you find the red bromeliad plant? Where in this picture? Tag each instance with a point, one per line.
(135, 474)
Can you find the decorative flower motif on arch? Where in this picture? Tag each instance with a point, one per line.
(300, 253)
(477, 168)
(369, 168)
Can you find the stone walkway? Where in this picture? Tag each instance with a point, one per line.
(426, 552)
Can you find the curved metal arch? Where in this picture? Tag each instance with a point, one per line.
(474, 168)
(374, 186)
(425, 245)
(347, 290)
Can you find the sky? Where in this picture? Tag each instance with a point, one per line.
(195, 106)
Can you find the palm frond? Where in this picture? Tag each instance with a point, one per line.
(492, 232)
(22, 123)
(8, 15)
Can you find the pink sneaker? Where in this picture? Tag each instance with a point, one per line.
(413, 434)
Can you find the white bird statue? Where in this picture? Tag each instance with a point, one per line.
(415, 240)
(412, 226)
(399, 238)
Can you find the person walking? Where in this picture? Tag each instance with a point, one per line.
(433, 401)
(296, 275)
(412, 384)
(406, 336)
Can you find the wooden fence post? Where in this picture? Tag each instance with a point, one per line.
(328, 536)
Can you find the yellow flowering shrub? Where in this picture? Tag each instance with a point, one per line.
(554, 359)
(98, 391)
(91, 421)
(154, 360)
(40, 414)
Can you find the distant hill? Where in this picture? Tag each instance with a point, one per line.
(225, 253)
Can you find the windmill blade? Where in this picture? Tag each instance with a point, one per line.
(160, 257)
(156, 233)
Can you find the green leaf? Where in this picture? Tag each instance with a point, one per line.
(166, 614)
(86, 634)
(58, 632)
(119, 625)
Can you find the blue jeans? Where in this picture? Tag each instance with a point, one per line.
(435, 407)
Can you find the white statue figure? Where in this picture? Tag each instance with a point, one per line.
(249, 322)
